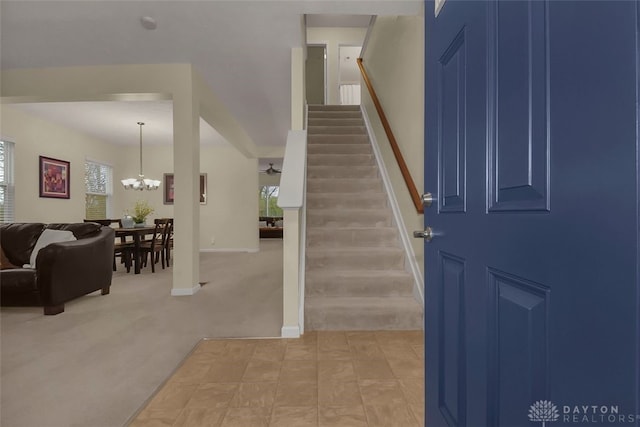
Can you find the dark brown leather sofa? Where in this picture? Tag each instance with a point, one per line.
(64, 271)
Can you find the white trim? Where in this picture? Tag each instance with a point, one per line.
(100, 162)
(367, 36)
(182, 292)
(291, 193)
(303, 236)
(397, 214)
(7, 139)
(290, 332)
(250, 250)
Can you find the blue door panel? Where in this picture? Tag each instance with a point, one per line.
(451, 140)
(531, 131)
(518, 337)
(517, 89)
(452, 337)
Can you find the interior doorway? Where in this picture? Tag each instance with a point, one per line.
(349, 75)
(316, 73)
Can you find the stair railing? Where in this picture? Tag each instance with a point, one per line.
(411, 186)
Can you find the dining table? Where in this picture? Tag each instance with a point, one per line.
(137, 233)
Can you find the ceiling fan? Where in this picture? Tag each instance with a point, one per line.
(271, 170)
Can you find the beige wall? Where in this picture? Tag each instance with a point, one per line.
(333, 38)
(265, 179)
(298, 90)
(36, 137)
(394, 60)
(229, 218)
(230, 215)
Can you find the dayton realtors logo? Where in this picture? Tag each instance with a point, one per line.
(543, 410)
(546, 411)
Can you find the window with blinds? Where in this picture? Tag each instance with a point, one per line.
(98, 179)
(7, 196)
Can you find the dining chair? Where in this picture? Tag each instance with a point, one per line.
(121, 248)
(155, 248)
(168, 242)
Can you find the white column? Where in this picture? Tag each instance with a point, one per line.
(186, 208)
(291, 273)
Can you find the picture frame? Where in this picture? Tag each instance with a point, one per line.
(168, 188)
(55, 176)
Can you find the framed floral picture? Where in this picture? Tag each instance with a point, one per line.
(54, 178)
(168, 189)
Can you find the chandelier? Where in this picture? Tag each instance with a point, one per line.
(140, 183)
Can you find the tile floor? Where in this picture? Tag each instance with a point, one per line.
(337, 379)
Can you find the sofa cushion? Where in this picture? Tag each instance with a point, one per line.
(18, 281)
(5, 263)
(79, 229)
(46, 238)
(18, 240)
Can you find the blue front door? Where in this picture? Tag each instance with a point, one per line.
(531, 149)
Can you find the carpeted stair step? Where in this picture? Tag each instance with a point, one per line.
(340, 159)
(358, 283)
(355, 267)
(335, 121)
(346, 200)
(342, 171)
(338, 149)
(365, 237)
(346, 185)
(362, 313)
(355, 258)
(323, 107)
(345, 114)
(340, 218)
(336, 130)
(338, 139)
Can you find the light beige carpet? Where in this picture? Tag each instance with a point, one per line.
(95, 364)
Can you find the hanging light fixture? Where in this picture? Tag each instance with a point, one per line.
(140, 183)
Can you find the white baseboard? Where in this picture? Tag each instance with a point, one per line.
(250, 250)
(290, 332)
(181, 292)
(397, 214)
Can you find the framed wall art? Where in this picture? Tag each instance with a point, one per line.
(168, 189)
(54, 178)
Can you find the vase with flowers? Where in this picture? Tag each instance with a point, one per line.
(141, 210)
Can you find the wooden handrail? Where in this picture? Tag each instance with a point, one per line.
(411, 186)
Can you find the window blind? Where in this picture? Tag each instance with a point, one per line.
(7, 191)
(98, 188)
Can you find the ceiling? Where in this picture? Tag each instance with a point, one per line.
(241, 48)
(115, 122)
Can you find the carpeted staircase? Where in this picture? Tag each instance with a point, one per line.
(355, 266)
